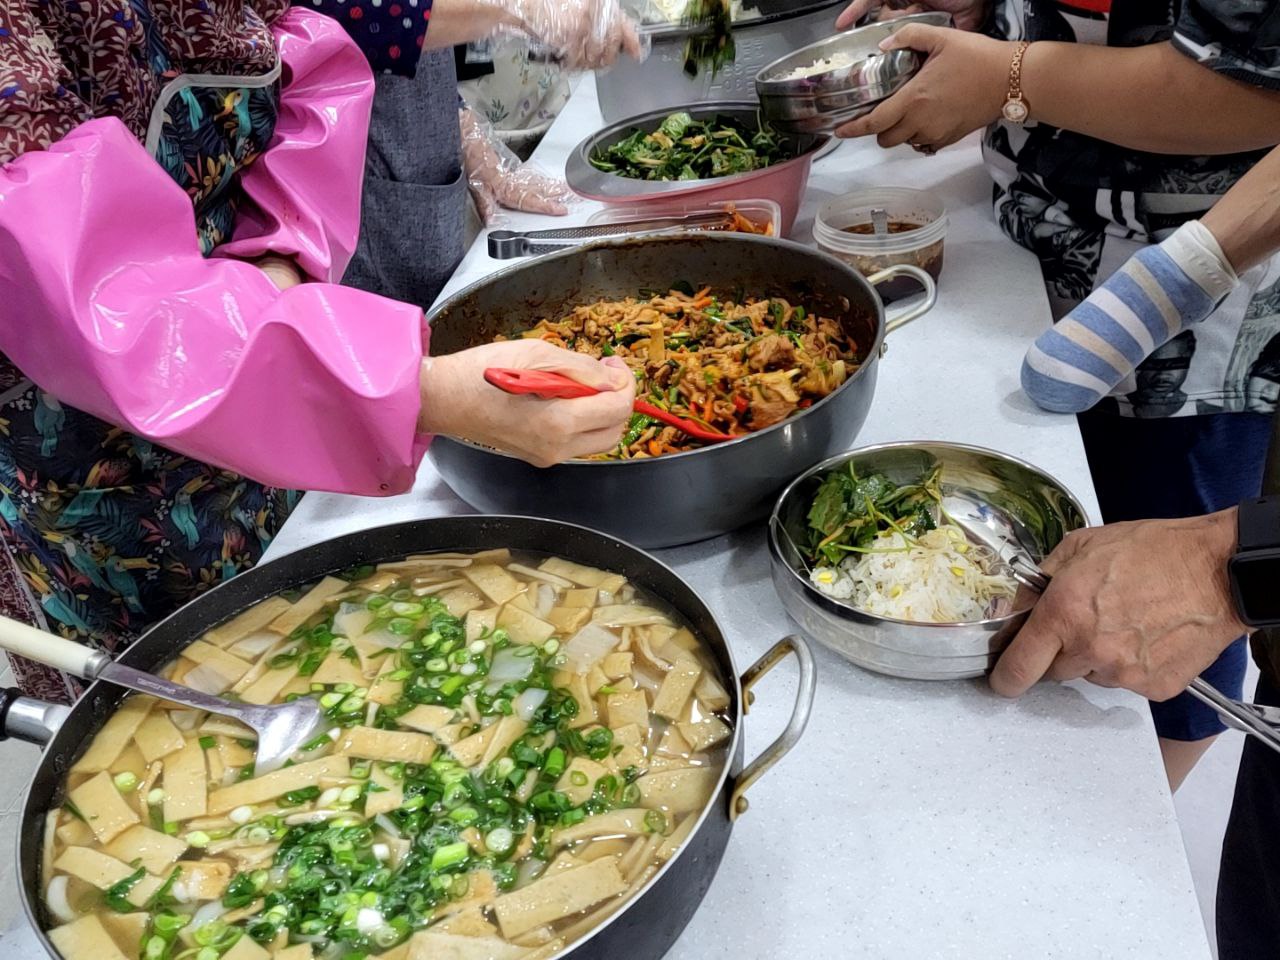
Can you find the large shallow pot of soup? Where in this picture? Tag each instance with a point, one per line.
(768, 340)
(536, 751)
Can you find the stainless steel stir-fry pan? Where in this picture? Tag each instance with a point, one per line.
(647, 927)
(701, 493)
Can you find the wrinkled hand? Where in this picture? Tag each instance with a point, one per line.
(458, 402)
(961, 88)
(499, 179)
(1145, 606)
(967, 14)
(585, 34)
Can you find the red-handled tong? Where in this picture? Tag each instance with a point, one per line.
(556, 386)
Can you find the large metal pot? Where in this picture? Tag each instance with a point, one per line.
(685, 497)
(776, 28)
(650, 924)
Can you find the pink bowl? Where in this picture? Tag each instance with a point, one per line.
(784, 183)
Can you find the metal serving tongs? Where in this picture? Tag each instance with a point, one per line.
(282, 729)
(992, 529)
(509, 244)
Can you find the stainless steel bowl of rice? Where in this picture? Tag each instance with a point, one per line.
(819, 87)
(830, 601)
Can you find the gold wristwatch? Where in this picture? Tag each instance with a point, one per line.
(1016, 109)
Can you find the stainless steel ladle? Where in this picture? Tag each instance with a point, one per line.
(993, 529)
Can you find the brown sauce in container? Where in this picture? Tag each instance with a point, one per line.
(928, 259)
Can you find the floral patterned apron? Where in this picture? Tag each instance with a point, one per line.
(105, 533)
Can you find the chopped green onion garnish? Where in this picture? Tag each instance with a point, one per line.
(450, 855)
(500, 840)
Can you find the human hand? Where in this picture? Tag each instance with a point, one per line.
(961, 88)
(585, 34)
(458, 402)
(498, 178)
(967, 14)
(1145, 606)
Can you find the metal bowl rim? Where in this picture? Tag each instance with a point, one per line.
(723, 781)
(778, 87)
(872, 353)
(847, 610)
(587, 181)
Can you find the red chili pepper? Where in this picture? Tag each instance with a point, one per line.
(805, 404)
(740, 403)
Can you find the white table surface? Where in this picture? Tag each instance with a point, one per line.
(914, 820)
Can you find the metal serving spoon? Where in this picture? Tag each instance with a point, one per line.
(282, 729)
(555, 386)
(993, 529)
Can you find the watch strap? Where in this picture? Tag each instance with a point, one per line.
(1258, 524)
(1016, 109)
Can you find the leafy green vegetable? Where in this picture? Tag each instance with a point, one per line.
(682, 148)
(711, 45)
(117, 894)
(848, 512)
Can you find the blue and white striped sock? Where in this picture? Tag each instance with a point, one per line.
(1150, 300)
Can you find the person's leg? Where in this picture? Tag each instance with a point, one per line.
(1248, 908)
(1187, 728)
(1179, 467)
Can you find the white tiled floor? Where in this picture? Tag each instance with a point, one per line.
(1203, 804)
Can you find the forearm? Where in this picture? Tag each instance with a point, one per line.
(302, 196)
(312, 388)
(1246, 221)
(1149, 98)
(455, 22)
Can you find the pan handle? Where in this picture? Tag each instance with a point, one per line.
(905, 315)
(795, 727)
(32, 721)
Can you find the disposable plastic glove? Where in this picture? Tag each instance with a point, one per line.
(499, 179)
(582, 34)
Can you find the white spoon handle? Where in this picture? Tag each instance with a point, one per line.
(65, 655)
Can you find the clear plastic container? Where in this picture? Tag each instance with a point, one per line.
(917, 231)
(765, 215)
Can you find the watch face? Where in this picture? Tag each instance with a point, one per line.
(1015, 111)
(1255, 579)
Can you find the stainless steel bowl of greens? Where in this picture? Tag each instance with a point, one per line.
(866, 559)
(711, 151)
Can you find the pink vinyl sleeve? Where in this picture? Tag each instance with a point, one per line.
(110, 307)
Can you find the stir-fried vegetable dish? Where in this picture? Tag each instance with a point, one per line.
(683, 148)
(735, 365)
(890, 550)
(517, 745)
